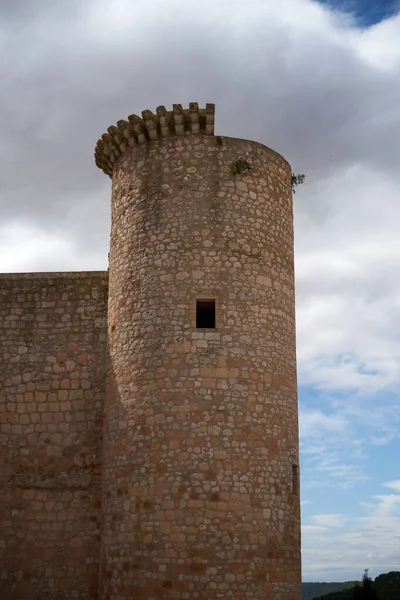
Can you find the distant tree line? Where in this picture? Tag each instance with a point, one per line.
(384, 587)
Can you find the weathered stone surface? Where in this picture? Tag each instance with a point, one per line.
(192, 432)
(197, 491)
(52, 376)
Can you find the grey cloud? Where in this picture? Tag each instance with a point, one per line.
(309, 98)
(14, 12)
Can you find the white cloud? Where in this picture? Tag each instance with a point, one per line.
(389, 504)
(305, 502)
(378, 45)
(328, 520)
(384, 439)
(56, 249)
(347, 546)
(348, 297)
(317, 424)
(28, 244)
(395, 485)
(313, 529)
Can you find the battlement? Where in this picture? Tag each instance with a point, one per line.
(163, 124)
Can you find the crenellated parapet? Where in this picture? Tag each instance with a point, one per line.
(165, 123)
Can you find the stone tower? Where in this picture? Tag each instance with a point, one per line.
(200, 472)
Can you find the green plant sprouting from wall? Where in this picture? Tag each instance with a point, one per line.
(297, 180)
(241, 165)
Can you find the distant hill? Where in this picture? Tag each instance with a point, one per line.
(387, 585)
(346, 594)
(313, 590)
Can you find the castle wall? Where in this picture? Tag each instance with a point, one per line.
(200, 492)
(52, 363)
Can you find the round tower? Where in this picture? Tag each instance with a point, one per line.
(200, 474)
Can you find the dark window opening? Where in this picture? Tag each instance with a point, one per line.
(295, 479)
(205, 314)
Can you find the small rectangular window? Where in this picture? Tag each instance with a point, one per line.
(295, 480)
(205, 314)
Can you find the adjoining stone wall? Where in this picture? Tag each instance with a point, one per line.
(201, 435)
(52, 365)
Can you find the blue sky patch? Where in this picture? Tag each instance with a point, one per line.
(366, 12)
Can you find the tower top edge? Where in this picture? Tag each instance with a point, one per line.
(152, 126)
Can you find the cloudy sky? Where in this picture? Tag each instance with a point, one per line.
(320, 83)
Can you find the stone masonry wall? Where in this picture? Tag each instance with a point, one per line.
(52, 365)
(200, 492)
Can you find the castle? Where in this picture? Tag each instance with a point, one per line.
(149, 436)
